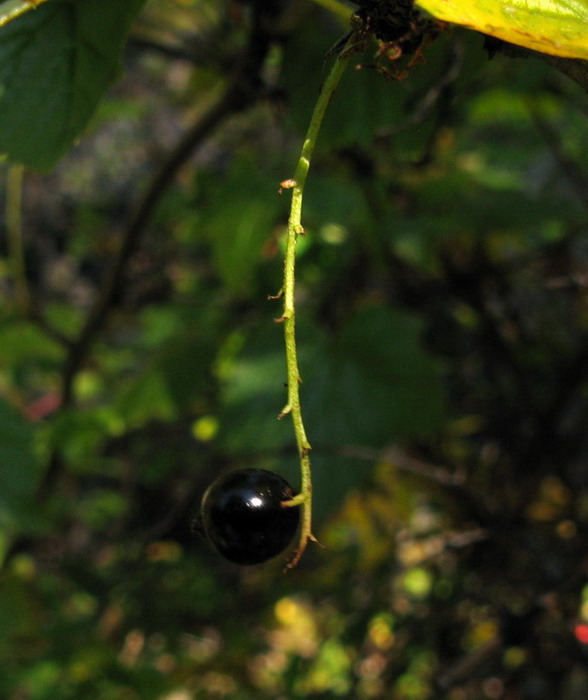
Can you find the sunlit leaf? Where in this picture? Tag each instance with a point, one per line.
(557, 27)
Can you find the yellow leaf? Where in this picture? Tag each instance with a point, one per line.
(557, 27)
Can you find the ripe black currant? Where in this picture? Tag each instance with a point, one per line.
(243, 517)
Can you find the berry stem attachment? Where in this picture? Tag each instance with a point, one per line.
(296, 229)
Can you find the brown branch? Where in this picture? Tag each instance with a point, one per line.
(403, 462)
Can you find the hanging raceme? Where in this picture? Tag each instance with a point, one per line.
(400, 34)
(295, 229)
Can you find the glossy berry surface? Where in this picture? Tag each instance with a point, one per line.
(243, 517)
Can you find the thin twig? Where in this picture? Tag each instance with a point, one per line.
(15, 8)
(404, 462)
(296, 229)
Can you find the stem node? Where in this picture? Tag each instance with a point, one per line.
(284, 412)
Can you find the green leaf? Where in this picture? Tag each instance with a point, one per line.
(243, 208)
(55, 64)
(145, 398)
(375, 385)
(253, 394)
(19, 467)
(23, 344)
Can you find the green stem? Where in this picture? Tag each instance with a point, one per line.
(337, 8)
(14, 8)
(295, 229)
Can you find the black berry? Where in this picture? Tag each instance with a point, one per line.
(243, 517)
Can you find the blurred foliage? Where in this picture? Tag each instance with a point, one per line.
(443, 327)
(78, 45)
